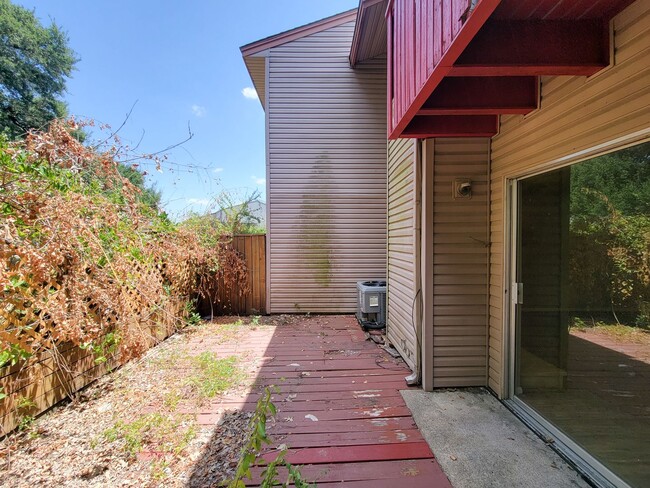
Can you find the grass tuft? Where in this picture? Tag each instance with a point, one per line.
(215, 375)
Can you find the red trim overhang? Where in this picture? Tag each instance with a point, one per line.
(493, 64)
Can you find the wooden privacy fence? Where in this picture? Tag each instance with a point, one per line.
(252, 248)
(51, 376)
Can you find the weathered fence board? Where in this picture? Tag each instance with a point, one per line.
(252, 248)
(34, 387)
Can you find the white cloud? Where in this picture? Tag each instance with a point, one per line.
(199, 110)
(198, 201)
(258, 181)
(217, 170)
(249, 92)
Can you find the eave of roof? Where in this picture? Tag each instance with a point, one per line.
(364, 34)
(255, 52)
(293, 34)
(256, 66)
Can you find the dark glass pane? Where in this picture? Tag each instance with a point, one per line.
(583, 327)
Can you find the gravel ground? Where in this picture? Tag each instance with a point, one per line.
(132, 427)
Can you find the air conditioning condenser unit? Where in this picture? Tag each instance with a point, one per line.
(371, 304)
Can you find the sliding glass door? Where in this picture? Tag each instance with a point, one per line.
(582, 306)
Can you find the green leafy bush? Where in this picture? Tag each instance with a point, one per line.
(609, 235)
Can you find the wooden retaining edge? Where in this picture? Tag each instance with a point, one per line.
(45, 384)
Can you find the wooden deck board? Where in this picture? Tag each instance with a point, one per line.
(604, 406)
(339, 408)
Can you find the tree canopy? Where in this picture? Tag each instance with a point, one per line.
(34, 63)
(618, 181)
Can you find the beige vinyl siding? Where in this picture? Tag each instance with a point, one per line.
(460, 263)
(576, 114)
(402, 261)
(326, 173)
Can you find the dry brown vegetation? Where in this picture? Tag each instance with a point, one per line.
(86, 262)
(138, 426)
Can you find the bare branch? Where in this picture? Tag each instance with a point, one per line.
(114, 133)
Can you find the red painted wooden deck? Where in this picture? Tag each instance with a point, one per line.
(339, 407)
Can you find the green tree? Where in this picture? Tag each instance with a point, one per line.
(620, 180)
(149, 195)
(34, 64)
(238, 218)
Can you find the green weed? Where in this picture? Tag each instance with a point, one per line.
(24, 403)
(164, 433)
(159, 469)
(26, 422)
(13, 355)
(251, 452)
(192, 317)
(172, 400)
(578, 324)
(215, 375)
(104, 348)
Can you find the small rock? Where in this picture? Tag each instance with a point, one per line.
(93, 471)
(106, 407)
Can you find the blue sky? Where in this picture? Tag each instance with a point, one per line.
(180, 61)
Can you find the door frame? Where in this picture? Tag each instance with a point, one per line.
(508, 180)
(561, 443)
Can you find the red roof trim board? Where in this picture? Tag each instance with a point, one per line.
(452, 126)
(493, 52)
(460, 95)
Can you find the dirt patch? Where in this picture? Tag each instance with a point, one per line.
(139, 426)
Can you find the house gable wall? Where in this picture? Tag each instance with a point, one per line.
(326, 187)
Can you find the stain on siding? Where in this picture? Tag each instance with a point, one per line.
(316, 221)
(326, 173)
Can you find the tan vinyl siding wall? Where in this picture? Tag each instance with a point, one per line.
(576, 114)
(327, 173)
(460, 263)
(402, 260)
